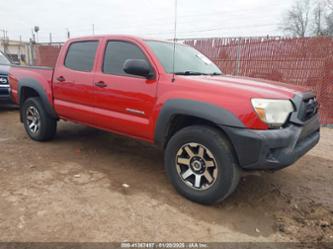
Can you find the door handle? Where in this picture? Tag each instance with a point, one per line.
(61, 79)
(101, 84)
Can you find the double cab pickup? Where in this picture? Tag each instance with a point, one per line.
(210, 126)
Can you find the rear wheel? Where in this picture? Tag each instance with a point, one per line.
(201, 165)
(37, 123)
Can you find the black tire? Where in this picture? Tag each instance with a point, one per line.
(47, 125)
(228, 173)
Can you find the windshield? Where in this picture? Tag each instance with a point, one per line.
(188, 61)
(3, 59)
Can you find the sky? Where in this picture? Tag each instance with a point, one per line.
(148, 18)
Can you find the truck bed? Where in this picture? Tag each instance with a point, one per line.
(28, 73)
(45, 71)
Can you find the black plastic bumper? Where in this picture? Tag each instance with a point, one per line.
(5, 95)
(273, 149)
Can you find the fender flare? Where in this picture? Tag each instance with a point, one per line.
(36, 86)
(209, 112)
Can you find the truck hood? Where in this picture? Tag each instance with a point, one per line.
(244, 85)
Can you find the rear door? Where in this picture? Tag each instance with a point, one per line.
(124, 103)
(73, 87)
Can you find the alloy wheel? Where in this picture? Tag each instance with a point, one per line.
(33, 119)
(196, 166)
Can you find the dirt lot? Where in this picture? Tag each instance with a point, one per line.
(71, 189)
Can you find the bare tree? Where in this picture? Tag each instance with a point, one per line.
(296, 22)
(329, 24)
(319, 18)
(329, 18)
(330, 4)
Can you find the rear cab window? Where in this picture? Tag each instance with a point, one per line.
(81, 55)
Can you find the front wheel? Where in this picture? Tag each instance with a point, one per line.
(37, 122)
(201, 164)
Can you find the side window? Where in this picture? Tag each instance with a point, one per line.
(116, 53)
(81, 55)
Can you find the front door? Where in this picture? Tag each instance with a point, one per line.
(124, 103)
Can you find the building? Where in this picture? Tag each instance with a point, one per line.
(31, 53)
(18, 52)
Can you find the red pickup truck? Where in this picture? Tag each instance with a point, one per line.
(211, 126)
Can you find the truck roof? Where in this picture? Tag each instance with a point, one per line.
(91, 37)
(120, 37)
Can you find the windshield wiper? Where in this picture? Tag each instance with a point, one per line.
(197, 73)
(190, 73)
(215, 74)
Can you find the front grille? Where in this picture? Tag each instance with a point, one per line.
(309, 108)
(4, 80)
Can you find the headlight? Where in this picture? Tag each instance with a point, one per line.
(272, 111)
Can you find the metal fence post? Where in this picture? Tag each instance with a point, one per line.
(238, 58)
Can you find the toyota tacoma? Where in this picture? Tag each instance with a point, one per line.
(210, 126)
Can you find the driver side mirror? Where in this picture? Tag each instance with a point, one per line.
(138, 67)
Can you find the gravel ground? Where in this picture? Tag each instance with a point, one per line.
(72, 190)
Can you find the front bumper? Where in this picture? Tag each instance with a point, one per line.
(5, 96)
(274, 149)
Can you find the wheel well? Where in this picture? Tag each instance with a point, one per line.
(179, 122)
(27, 92)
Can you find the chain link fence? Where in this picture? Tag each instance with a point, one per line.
(306, 62)
(46, 54)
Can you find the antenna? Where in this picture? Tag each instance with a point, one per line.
(174, 44)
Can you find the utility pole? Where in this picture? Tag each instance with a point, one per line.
(4, 39)
(36, 29)
(20, 52)
(50, 38)
(93, 29)
(33, 36)
(4, 32)
(3, 35)
(68, 33)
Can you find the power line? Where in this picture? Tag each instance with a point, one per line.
(168, 21)
(169, 32)
(216, 29)
(223, 15)
(194, 15)
(196, 31)
(154, 25)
